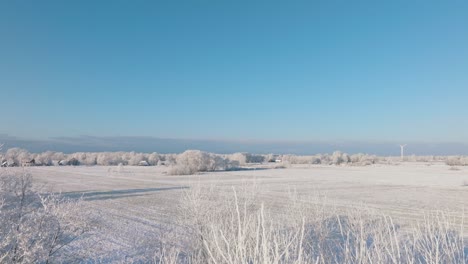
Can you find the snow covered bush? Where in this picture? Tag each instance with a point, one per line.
(193, 161)
(83, 158)
(239, 157)
(48, 158)
(244, 158)
(300, 159)
(111, 158)
(37, 227)
(339, 158)
(457, 161)
(17, 156)
(153, 159)
(363, 159)
(136, 159)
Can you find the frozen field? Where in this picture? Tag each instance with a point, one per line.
(136, 202)
(401, 188)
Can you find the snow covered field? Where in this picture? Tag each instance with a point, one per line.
(403, 188)
(136, 203)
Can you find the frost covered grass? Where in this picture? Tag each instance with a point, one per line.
(232, 226)
(240, 228)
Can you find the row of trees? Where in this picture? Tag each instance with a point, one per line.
(21, 157)
(211, 161)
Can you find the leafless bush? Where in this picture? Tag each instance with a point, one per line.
(36, 227)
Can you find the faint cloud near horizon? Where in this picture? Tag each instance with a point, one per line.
(165, 145)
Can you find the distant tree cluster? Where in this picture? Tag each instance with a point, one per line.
(192, 161)
(198, 161)
(457, 161)
(336, 158)
(20, 157)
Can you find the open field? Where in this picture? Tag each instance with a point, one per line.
(136, 203)
(401, 189)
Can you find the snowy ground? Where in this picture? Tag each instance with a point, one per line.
(135, 202)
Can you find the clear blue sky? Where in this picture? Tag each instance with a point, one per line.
(289, 70)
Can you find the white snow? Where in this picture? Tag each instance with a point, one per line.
(137, 201)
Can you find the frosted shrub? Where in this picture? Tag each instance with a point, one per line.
(239, 157)
(17, 155)
(135, 159)
(457, 161)
(363, 159)
(453, 161)
(48, 158)
(464, 161)
(83, 158)
(293, 159)
(190, 162)
(170, 159)
(35, 227)
(338, 158)
(193, 161)
(153, 159)
(111, 158)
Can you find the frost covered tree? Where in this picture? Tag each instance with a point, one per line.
(111, 158)
(17, 156)
(338, 158)
(153, 159)
(239, 157)
(44, 158)
(193, 161)
(84, 158)
(136, 158)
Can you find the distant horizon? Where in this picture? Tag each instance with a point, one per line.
(174, 145)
